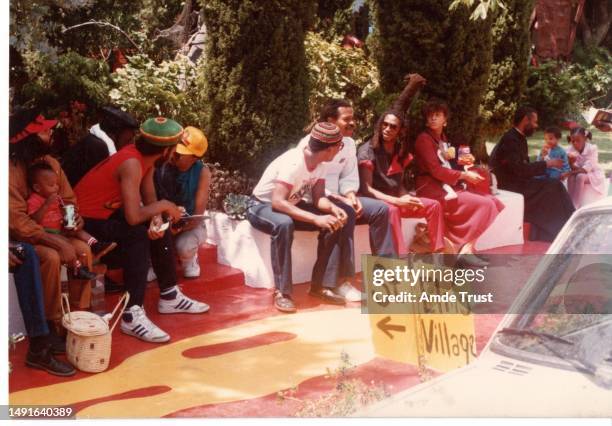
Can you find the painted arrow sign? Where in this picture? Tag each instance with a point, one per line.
(386, 328)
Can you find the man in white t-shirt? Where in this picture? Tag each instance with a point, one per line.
(342, 184)
(291, 195)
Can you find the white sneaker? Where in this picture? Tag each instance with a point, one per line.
(191, 267)
(350, 293)
(142, 327)
(181, 304)
(151, 275)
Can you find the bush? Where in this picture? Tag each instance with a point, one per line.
(593, 68)
(336, 72)
(54, 81)
(169, 89)
(451, 51)
(255, 82)
(509, 69)
(554, 92)
(559, 90)
(225, 183)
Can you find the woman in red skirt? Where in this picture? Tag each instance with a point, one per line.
(466, 214)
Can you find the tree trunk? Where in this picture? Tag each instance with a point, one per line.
(596, 24)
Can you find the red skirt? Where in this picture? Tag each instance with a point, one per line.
(469, 215)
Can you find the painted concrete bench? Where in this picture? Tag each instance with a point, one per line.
(241, 246)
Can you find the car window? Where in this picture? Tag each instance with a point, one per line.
(571, 299)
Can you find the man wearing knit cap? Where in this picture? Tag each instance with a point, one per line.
(117, 200)
(291, 196)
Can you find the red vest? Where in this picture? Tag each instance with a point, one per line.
(99, 192)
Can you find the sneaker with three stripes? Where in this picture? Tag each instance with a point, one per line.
(140, 326)
(181, 304)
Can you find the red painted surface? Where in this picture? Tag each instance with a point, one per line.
(392, 376)
(238, 345)
(232, 303)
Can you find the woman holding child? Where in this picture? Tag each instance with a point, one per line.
(466, 214)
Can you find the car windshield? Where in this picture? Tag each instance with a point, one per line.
(567, 316)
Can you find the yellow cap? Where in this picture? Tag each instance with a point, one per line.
(194, 142)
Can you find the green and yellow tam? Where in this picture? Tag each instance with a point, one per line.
(161, 131)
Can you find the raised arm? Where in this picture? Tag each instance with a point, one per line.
(414, 83)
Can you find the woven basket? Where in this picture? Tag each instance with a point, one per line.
(88, 344)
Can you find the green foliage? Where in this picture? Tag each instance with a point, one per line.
(30, 25)
(168, 89)
(483, 7)
(255, 83)
(554, 91)
(559, 90)
(224, 183)
(235, 205)
(335, 18)
(336, 72)
(509, 68)
(54, 81)
(347, 395)
(451, 51)
(593, 67)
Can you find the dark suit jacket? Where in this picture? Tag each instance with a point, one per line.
(510, 162)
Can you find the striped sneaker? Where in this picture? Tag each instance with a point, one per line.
(142, 327)
(181, 304)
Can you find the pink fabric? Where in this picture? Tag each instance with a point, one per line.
(589, 161)
(431, 212)
(53, 216)
(576, 186)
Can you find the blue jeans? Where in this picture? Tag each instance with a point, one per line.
(376, 214)
(30, 293)
(335, 250)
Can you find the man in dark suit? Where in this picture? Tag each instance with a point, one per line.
(547, 203)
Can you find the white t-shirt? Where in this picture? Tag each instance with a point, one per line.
(289, 169)
(342, 174)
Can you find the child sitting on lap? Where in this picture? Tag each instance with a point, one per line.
(44, 208)
(551, 150)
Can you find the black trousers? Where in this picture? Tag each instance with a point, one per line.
(134, 253)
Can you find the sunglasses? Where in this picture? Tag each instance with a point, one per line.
(389, 125)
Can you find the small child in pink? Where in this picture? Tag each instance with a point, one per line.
(44, 208)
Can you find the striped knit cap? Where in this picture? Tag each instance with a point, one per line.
(326, 132)
(161, 131)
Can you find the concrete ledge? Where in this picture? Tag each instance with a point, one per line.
(241, 246)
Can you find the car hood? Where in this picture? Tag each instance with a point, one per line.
(497, 386)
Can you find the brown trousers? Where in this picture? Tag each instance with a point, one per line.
(50, 264)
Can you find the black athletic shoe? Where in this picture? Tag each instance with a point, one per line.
(44, 360)
(83, 273)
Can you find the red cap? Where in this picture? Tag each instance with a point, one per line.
(40, 124)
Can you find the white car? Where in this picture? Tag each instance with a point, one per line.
(543, 360)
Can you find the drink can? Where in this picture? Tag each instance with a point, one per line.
(69, 216)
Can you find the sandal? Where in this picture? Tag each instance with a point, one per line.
(283, 303)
